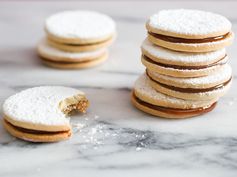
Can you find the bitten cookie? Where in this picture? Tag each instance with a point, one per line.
(189, 30)
(40, 114)
(61, 59)
(79, 27)
(147, 99)
(181, 64)
(201, 88)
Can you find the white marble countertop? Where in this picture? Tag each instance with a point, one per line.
(113, 138)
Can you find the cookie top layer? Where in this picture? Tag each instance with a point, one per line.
(55, 54)
(186, 58)
(81, 25)
(143, 89)
(187, 23)
(39, 105)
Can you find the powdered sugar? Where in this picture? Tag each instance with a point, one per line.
(189, 22)
(80, 24)
(143, 87)
(39, 105)
(223, 74)
(187, 58)
(46, 50)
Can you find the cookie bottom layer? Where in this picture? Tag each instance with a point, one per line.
(75, 65)
(166, 112)
(35, 135)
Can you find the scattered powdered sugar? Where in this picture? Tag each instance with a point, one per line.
(39, 105)
(186, 57)
(80, 24)
(223, 74)
(189, 22)
(143, 87)
(55, 54)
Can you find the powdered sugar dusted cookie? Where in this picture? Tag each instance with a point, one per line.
(153, 102)
(79, 27)
(181, 64)
(189, 30)
(183, 71)
(201, 88)
(40, 114)
(65, 59)
(170, 57)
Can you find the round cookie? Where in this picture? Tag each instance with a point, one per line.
(170, 57)
(81, 48)
(79, 27)
(182, 71)
(62, 59)
(202, 88)
(189, 30)
(40, 114)
(149, 100)
(181, 64)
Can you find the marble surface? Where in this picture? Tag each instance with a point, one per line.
(113, 138)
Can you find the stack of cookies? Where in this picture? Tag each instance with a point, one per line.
(186, 63)
(76, 39)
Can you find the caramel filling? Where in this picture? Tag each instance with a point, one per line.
(36, 132)
(184, 40)
(184, 67)
(190, 90)
(176, 111)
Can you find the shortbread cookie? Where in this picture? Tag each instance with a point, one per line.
(189, 30)
(62, 59)
(202, 88)
(40, 114)
(79, 27)
(181, 64)
(147, 99)
(185, 59)
(81, 48)
(183, 71)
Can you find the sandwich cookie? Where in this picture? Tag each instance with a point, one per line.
(61, 59)
(147, 99)
(181, 64)
(189, 30)
(80, 28)
(40, 114)
(202, 88)
(81, 48)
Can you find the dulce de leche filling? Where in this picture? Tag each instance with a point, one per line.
(176, 111)
(190, 90)
(185, 40)
(184, 67)
(36, 132)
